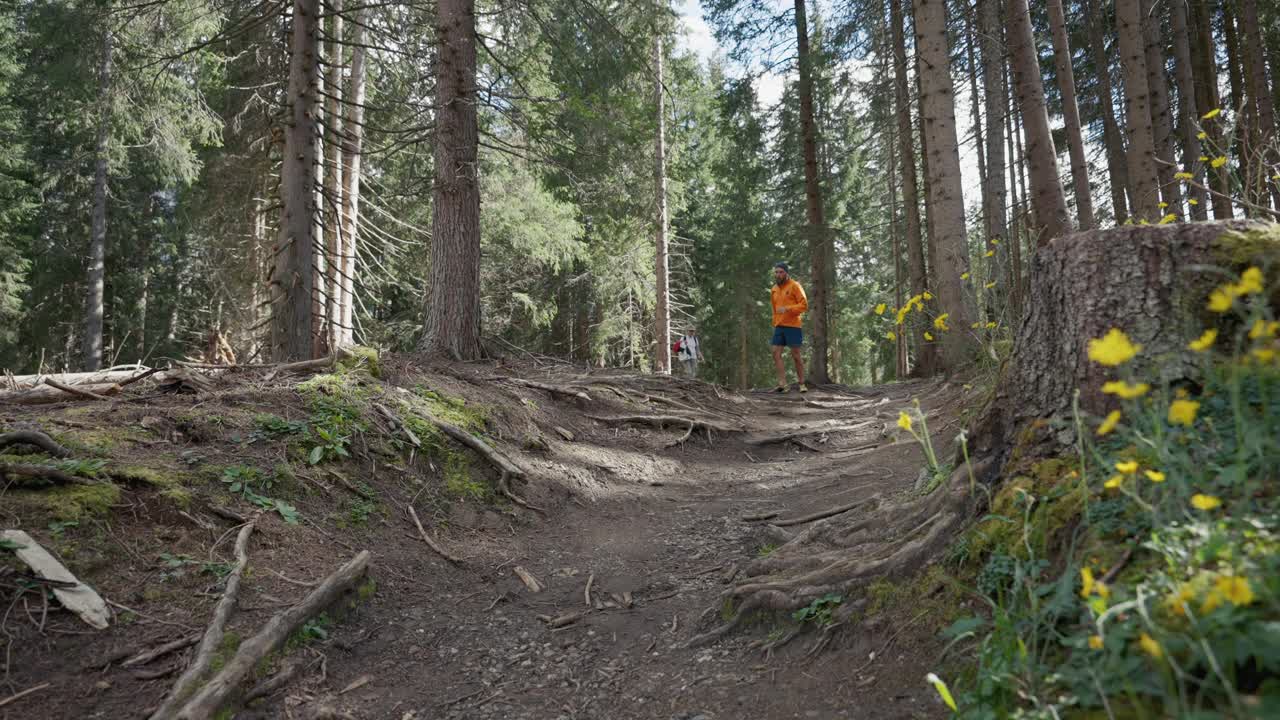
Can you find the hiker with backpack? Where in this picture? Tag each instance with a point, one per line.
(689, 352)
(789, 303)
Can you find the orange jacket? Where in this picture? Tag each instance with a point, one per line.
(790, 295)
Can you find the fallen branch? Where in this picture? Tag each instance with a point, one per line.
(586, 594)
(432, 543)
(273, 683)
(37, 438)
(44, 394)
(203, 659)
(160, 651)
(24, 693)
(78, 598)
(87, 394)
(528, 579)
(826, 513)
(218, 691)
(566, 619)
(97, 377)
(759, 517)
(139, 377)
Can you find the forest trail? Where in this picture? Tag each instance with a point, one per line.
(654, 528)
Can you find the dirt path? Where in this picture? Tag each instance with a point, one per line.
(656, 528)
(665, 532)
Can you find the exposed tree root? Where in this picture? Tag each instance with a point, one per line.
(840, 554)
(42, 472)
(37, 438)
(432, 543)
(792, 437)
(662, 421)
(683, 438)
(203, 659)
(560, 390)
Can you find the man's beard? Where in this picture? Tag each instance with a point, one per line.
(779, 280)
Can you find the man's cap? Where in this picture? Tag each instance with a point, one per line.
(785, 268)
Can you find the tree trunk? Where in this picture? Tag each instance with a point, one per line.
(1205, 67)
(900, 369)
(1150, 282)
(352, 154)
(452, 326)
(334, 240)
(1014, 242)
(937, 104)
(1117, 167)
(662, 271)
(93, 311)
(1143, 181)
(1260, 95)
(1161, 116)
(910, 187)
(1187, 113)
(994, 211)
(293, 279)
(1046, 188)
(1071, 113)
(816, 224)
(744, 347)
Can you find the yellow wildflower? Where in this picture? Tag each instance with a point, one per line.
(1201, 501)
(891, 336)
(1154, 476)
(1124, 390)
(1183, 412)
(928, 295)
(1183, 176)
(1162, 204)
(1218, 161)
(990, 285)
(1262, 328)
(989, 253)
(1265, 355)
(881, 308)
(1211, 114)
(1113, 482)
(943, 692)
(1221, 299)
(1205, 341)
(1109, 424)
(1095, 642)
(1250, 282)
(995, 241)
(991, 325)
(1235, 589)
(1128, 467)
(1113, 349)
(1167, 219)
(1087, 582)
(1202, 135)
(964, 276)
(904, 420)
(1194, 201)
(976, 325)
(1179, 600)
(1212, 601)
(940, 322)
(928, 336)
(1204, 158)
(1150, 646)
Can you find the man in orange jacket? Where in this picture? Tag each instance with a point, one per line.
(789, 302)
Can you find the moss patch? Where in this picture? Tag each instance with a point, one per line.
(168, 482)
(72, 502)
(359, 358)
(458, 480)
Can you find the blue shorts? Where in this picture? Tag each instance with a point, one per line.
(787, 337)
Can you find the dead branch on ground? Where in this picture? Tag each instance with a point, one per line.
(432, 543)
(37, 438)
(43, 472)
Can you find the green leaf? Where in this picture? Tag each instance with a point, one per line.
(317, 453)
(10, 545)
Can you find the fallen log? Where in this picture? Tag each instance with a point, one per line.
(34, 437)
(117, 374)
(42, 472)
(215, 695)
(213, 635)
(79, 598)
(44, 394)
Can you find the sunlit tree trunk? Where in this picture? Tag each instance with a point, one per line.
(93, 311)
(1161, 115)
(334, 240)
(352, 156)
(1187, 114)
(819, 238)
(1071, 115)
(1205, 67)
(662, 312)
(1143, 181)
(1113, 139)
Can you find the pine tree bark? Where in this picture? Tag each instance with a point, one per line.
(937, 105)
(292, 314)
(1042, 157)
(1161, 115)
(1205, 66)
(1071, 114)
(1117, 167)
(452, 324)
(819, 295)
(994, 210)
(1261, 98)
(1143, 181)
(1014, 243)
(352, 155)
(916, 272)
(900, 340)
(334, 240)
(1187, 113)
(93, 311)
(662, 271)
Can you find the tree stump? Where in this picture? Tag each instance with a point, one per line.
(1152, 282)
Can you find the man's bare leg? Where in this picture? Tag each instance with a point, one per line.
(799, 361)
(782, 368)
